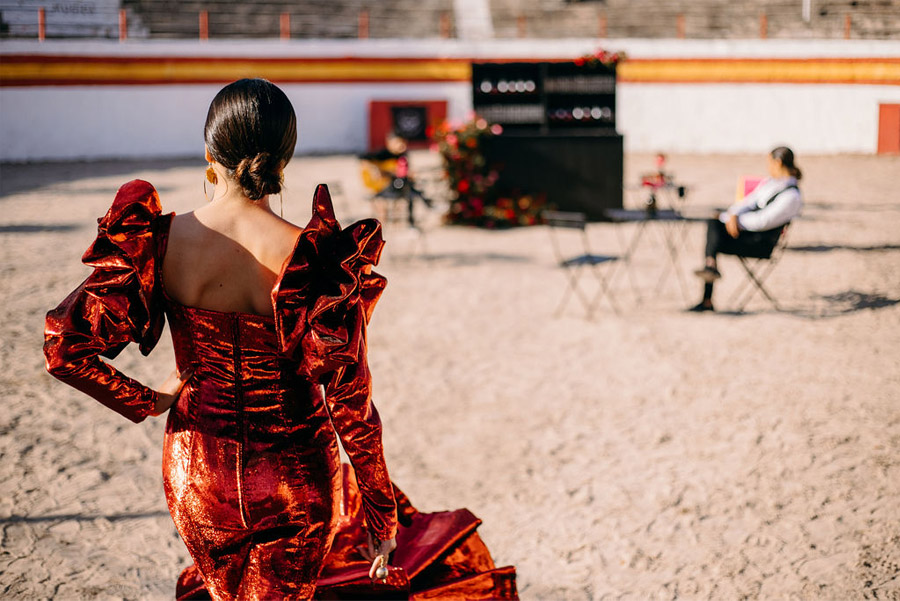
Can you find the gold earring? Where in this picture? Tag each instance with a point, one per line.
(281, 193)
(211, 176)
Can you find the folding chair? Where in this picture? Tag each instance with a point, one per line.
(575, 266)
(758, 269)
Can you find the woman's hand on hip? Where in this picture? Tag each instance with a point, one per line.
(170, 390)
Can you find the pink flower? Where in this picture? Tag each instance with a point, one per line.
(452, 140)
(481, 124)
(496, 129)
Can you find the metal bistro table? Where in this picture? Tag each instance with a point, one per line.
(671, 223)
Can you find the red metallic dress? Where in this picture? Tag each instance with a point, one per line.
(250, 463)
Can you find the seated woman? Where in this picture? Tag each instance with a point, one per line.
(751, 227)
(395, 183)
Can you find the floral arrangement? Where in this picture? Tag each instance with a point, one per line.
(601, 57)
(476, 198)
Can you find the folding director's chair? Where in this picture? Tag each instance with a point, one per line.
(758, 269)
(575, 266)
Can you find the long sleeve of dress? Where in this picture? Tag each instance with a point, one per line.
(323, 303)
(116, 305)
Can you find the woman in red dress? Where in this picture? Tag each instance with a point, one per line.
(265, 317)
(263, 314)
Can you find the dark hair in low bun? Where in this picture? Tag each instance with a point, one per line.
(251, 130)
(786, 156)
(259, 176)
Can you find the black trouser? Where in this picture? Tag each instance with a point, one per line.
(402, 187)
(748, 244)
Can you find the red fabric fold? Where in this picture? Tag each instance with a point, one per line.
(326, 294)
(323, 302)
(119, 303)
(439, 556)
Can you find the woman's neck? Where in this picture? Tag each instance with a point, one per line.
(232, 197)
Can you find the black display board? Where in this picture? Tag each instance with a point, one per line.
(559, 131)
(576, 172)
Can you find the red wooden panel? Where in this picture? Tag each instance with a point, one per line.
(381, 119)
(889, 129)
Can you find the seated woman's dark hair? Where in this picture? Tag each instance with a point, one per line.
(251, 130)
(786, 156)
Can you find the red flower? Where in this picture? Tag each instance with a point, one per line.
(579, 61)
(463, 186)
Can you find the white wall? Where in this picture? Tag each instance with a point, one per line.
(100, 122)
(731, 118)
(92, 122)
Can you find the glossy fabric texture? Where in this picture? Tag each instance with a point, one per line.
(323, 301)
(439, 556)
(250, 461)
(120, 302)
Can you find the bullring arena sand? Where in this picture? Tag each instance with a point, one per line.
(653, 454)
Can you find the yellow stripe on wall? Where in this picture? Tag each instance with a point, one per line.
(219, 70)
(48, 70)
(886, 71)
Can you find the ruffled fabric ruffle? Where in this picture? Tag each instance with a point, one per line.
(326, 293)
(120, 302)
(124, 258)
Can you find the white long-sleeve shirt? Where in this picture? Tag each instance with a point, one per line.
(752, 216)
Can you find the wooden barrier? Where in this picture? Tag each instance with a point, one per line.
(363, 25)
(123, 25)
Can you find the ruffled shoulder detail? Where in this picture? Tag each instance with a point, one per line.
(125, 261)
(326, 293)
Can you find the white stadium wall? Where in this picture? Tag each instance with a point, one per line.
(87, 109)
(94, 122)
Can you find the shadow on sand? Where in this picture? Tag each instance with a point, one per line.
(77, 517)
(38, 228)
(25, 177)
(824, 248)
(842, 303)
(460, 259)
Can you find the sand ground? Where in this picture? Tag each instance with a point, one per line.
(646, 454)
